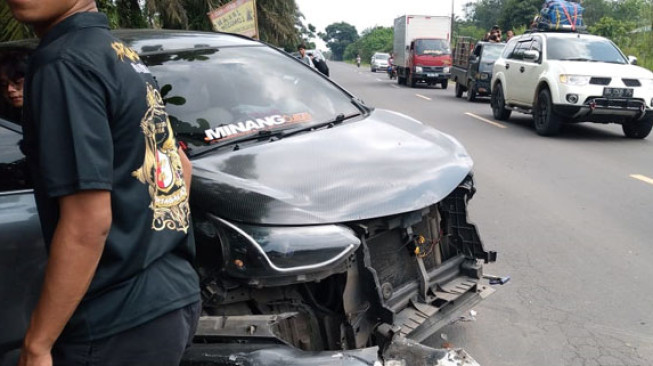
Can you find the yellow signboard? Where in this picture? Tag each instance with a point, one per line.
(238, 16)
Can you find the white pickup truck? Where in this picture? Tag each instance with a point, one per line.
(571, 77)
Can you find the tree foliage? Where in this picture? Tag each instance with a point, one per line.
(378, 39)
(338, 36)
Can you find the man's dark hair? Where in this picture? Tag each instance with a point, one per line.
(13, 64)
(301, 45)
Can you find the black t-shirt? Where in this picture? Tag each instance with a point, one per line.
(94, 120)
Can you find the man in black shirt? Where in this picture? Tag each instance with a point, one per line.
(111, 186)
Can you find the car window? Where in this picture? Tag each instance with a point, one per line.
(13, 168)
(215, 96)
(510, 48)
(434, 47)
(381, 56)
(584, 49)
(522, 45)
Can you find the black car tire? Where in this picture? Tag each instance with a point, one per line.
(637, 129)
(459, 90)
(547, 121)
(498, 103)
(373, 70)
(410, 81)
(471, 92)
(444, 84)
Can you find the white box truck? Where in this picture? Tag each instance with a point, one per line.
(422, 51)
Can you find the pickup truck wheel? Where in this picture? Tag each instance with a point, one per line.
(373, 70)
(498, 104)
(547, 122)
(637, 129)
(471, 92)
(459, 90)
(445, 84)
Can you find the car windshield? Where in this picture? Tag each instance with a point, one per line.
(221, 96)
(491, 52)
(433, 47)
(584, 49)
(381, 56)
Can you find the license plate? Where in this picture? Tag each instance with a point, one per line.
(431, 75)
(618, 92)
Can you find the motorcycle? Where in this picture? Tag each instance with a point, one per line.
(392, 72)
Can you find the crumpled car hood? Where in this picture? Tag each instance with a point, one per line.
(385, 164)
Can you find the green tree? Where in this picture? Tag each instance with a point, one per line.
(517, 13)
(485, 13)
(377, 39)
(338, 36)
(616, 30)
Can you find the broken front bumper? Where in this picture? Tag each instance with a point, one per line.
(401, 352)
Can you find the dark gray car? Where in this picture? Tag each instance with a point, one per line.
(327, 232)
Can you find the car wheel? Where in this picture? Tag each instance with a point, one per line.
(444, 84)
(547, 122)
(471, 92)
(498, 104)
(637, 129)
(459, 90)
(373, 70)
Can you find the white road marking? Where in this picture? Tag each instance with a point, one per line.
(423, 97)
(493, 123)
(643, 178)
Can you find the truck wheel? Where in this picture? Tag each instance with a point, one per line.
(498, 104)
(471, 92)
(547, 122)
(401, 80)
(445, 84)
(373, 69)
(410, 81)
(459, 90)
(637, 129)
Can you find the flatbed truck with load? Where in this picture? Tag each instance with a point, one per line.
(422, 53)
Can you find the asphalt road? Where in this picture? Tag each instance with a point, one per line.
(571, 218)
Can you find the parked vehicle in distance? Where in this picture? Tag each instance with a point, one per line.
(571, 77)
(379, 61)
(305, 255)
(472, 66)
(421, 49)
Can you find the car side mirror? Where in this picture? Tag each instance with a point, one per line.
(632, 60)
(531, 55)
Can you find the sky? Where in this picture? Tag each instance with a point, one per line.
(365, 14)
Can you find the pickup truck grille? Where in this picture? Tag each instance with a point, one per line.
(631, 82)
(600, 81)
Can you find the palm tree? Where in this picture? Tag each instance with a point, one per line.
(10, 29)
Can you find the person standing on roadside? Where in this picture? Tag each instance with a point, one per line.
(509, 34)
(303, 56)
(13, 66)
(111, 187)
(358, 60)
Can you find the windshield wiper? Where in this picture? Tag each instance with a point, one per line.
(339, 119)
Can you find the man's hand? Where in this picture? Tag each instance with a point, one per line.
(77, 245)
(28, 359)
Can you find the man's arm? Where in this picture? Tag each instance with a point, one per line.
(77, 245)
(187, 168)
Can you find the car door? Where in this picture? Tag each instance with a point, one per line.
(529, 73)
(514, 65)
(22, 252)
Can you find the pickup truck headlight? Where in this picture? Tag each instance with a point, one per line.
(252, 251)
(576, 80)
(418, 69)
(484, 76)
(445, 70)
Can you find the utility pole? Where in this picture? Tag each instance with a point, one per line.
(453, 18)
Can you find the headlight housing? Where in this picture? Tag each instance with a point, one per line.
(445, 70)
(484, 76)
(418, 69)
(575, 80)
(257, 253)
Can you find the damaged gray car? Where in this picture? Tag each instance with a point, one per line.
(327, 232)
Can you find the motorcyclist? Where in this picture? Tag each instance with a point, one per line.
(392, 71)
(358, 60)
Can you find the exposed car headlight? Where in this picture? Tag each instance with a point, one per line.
(445, 70)
(576, 80)
(418, 69)
(251, 251)
(484, 76)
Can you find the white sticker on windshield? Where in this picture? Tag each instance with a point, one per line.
(238, 129)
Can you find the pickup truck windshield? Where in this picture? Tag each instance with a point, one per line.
(432, 47)
(491, 52)
(584, 49)
(216, 96)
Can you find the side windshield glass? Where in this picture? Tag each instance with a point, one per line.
(217, 96)
(492, 52)
(584, 49)
(13, 168)
(433, 47)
